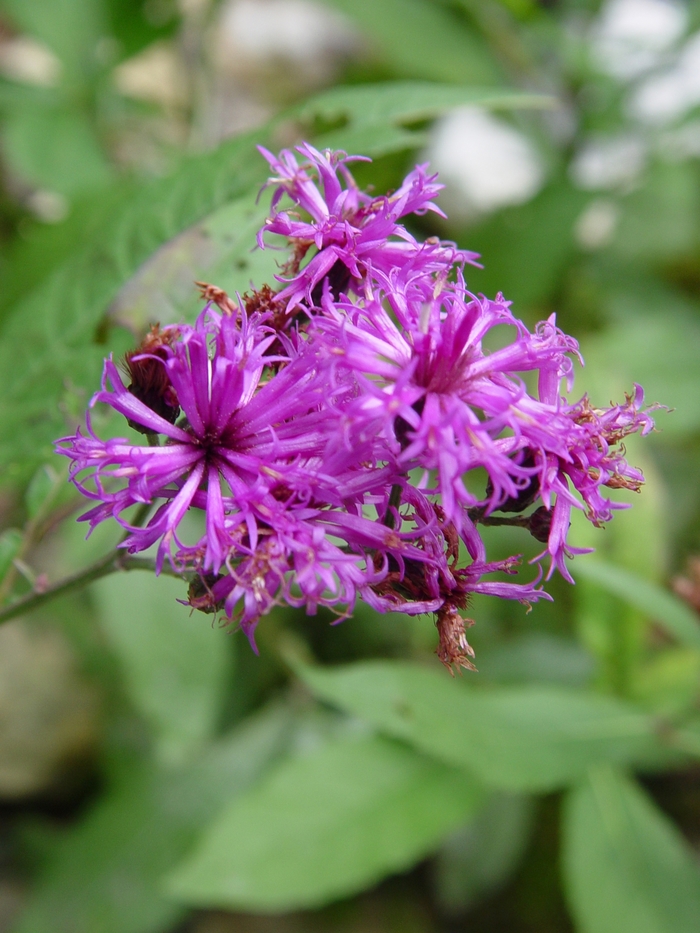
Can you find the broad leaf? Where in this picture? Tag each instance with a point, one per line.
(381, 118)
(480, 857)
(627, 868)
(523, 738)
(652, 600)
(324, 826)
(174, 665)
(104, 873)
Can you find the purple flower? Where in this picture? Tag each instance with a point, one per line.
(332, 453)
(355, 236)
(240, 442)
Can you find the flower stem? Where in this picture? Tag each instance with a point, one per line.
(113, 562)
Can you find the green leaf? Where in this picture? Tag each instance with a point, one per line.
(422, 39)
(655, 602)
(10, 543)
(659, 351)
(528, 738)
(324, 826)
(525, 249)
(50, 359)
(42, 489)
(659, 219)
(221, 250)
(175, 666)
(380, 116)
(627, 868)
(104, 873)
(480, 857)
(72, 163)
(70, 28)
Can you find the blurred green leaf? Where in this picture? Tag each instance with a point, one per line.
(422, 39)
(479, 858)
(518, 739)
(655, 602)
(43, 487)
(659, 220)
(525, 249)
(669, 682)
(175, 667)
(324, 826)
(70, 28)
(535, 656)
(380, 116)
(104, 873)
(627, 869)
(10, 543)
(656, 343)
(73, 162)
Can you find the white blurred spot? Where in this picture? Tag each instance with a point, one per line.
(484, 162)
(49, 206)
(156, 74)
(596, 225)
(608, 162)
(682, 143)
(667, 96)
(30, 62)
(631, 36)
(292, 29)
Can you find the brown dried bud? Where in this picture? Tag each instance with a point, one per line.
(149, 378)
(526, 495)
(453, 648)
(218, 296)
(200, 596)
(540, 523)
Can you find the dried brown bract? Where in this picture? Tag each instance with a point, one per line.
(150, 383)
(453, 649)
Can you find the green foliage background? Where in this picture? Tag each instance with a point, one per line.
(342, 780)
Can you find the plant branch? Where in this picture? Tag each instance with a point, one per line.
(114, 562)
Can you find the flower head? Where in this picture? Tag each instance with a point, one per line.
(329, 429)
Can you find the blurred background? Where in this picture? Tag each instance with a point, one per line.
(126, 725)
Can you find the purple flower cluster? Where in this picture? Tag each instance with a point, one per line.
(330, 429)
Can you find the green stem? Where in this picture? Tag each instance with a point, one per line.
(517, 521)
(113, 562)
(394, 503)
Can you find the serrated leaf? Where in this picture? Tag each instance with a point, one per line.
(104, 873)
(627, 868)
(422, 39)
(48, 354)
(175, 665)
(379, 116)
(656, 603)
(324, 826)
(530, 738)
(220, 250)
